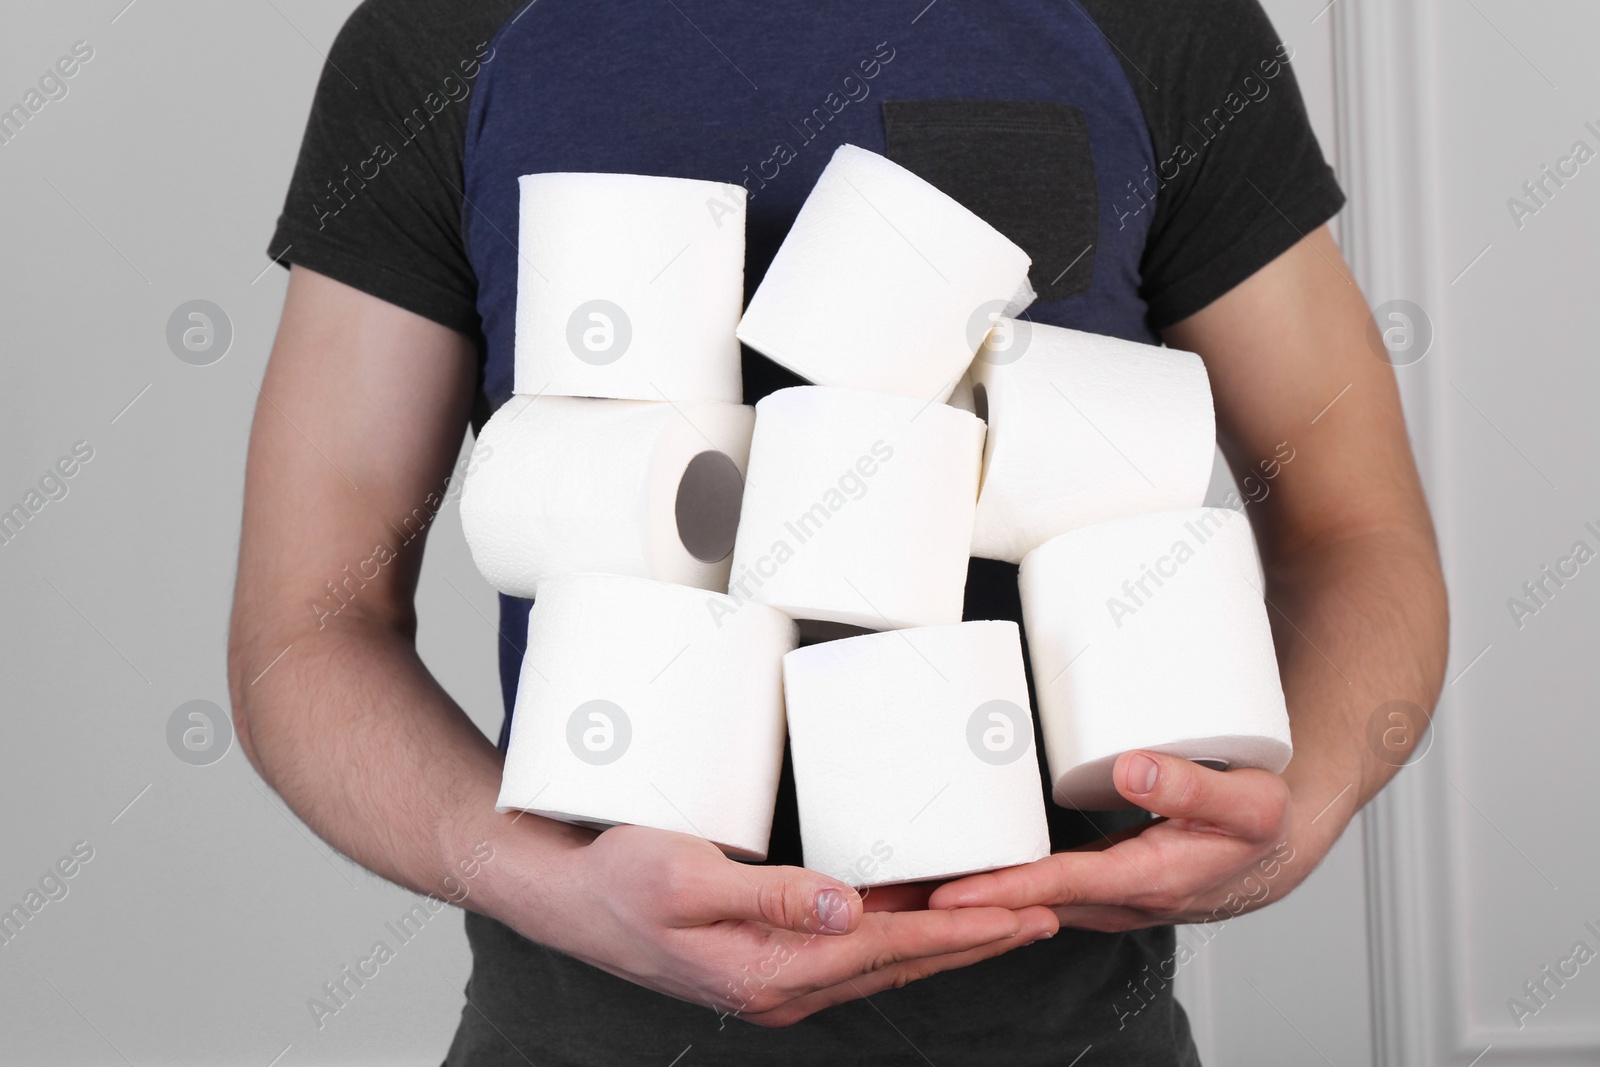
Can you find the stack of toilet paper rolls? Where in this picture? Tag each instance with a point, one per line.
(677, 544)
(609, 491)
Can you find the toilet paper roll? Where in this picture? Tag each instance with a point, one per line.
(629, 286)
(859, 508)
(650, 704)
(567, 484)
(1150, 632)
(1020, 301)
(913, 754)
(883, 283)
(961, 396)
(1083, 429)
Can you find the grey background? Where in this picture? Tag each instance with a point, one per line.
(209, 915)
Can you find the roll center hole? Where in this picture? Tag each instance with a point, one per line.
(707, 510)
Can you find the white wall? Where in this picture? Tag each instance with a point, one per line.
(208, 916)
(1492, 833)
(1522, 435)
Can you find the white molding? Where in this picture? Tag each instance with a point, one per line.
(1385, 114)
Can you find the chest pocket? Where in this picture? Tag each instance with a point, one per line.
(1023, 166)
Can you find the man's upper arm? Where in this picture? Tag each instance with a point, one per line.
(358, 425)
(1292, 372)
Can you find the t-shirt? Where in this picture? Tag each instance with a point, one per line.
(1149, 155)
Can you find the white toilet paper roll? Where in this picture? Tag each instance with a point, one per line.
(629, 286)
(1150, 632)
(567, 484)
(858, 508)
(640, 702)
(961, 397)
(883, 283)
(1020, 301)
(1083, 429)
(913, 754)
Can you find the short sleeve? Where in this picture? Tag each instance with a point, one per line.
(1239, 176)
(375, 198)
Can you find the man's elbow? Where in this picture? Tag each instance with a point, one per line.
(241, 654)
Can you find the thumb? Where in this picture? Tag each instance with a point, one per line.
(791, 898)
(1245, 802)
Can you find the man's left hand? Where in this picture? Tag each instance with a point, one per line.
(1227, 842)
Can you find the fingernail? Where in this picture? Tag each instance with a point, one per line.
(1142, 774)
(833, 908)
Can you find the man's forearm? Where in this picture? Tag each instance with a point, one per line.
(351, 729)
(1358, 622)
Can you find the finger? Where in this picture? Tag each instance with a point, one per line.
(885, 938)
(1106, 919)
(910, 897)
(1104, 877)
(1246, 802)
(790, 898)
(1109, 919)
(1034, 927)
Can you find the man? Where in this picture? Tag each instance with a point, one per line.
(1154, 159)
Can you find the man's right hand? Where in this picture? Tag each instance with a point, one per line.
(771, 945)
